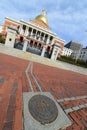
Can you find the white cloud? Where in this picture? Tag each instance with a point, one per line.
(66, 18)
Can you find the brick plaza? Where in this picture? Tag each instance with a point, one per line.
(62, 84)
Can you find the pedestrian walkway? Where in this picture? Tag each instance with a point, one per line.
(35, 58)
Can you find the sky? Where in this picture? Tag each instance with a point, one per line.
(66, 18)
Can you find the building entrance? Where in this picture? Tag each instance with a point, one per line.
(48, 52)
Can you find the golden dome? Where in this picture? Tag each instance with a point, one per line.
(42, 17)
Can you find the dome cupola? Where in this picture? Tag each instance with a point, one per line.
(42, 17)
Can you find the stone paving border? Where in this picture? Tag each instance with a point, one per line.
(28, 79)
(75, 108)
(28, 71)
(72, 109)
(72, 98)
(62, 120)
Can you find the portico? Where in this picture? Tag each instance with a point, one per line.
(37, 37)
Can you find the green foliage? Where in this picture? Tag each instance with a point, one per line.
(2, 39)
(81, 63)
(73, 61)
(67, 59)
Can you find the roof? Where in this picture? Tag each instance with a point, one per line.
(75, 42)
(68, 88)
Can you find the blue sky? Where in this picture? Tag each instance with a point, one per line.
(67, 18)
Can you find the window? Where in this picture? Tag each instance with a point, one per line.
(24, 27)
(10, 39)
(35, 45)
(21, 39)
(31, 43)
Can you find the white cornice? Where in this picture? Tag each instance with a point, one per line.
(38, 27)
(12, 20)
(56, 38)
(35, 27)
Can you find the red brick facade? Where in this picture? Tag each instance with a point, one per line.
(8, 22)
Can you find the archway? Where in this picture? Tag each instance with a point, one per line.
(47, 52)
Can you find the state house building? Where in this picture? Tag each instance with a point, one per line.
(38, 35)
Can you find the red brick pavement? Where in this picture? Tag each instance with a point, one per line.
(11, 72)
(60, 83)
(65, 84)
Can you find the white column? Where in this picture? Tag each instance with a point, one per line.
(25, 45)
(44, 38)
(21, 29)
(36, 34)
(31, 35)
(48, 39)
(26, 31)
(53, 41)
(43, 51)
(55, 53)
(39, 37)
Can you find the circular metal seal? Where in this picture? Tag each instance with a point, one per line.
(43, 109)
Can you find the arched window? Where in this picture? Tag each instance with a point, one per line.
(35, 44)
(31, 43)
(39, 46)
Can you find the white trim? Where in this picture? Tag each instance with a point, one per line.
(75, 108)
(12, 20)
(72, 98)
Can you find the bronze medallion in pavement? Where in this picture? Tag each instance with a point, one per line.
(43, 109)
